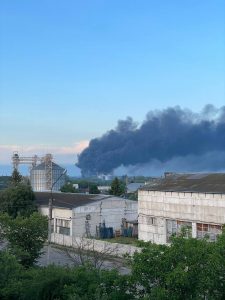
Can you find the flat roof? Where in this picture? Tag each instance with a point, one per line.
(213, 183)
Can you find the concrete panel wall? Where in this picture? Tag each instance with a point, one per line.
(111, 211)
(193, 207)
(79, 222)
(114, 249)
(155, 233)
(60, 213)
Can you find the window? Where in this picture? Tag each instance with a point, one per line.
(148, 220)
(52, 226)
(210, 231)
(175, 227)
(63, 226)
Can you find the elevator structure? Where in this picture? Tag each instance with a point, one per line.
(45, 175)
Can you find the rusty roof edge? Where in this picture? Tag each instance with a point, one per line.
(181, 191)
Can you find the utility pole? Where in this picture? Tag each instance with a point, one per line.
(50, 205)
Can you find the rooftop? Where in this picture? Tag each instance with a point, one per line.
(41, 166)
(71, 200)
(198, 182)
(66, 200)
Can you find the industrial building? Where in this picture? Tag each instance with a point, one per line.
(195, 202)
(81, 215)
(45, 175)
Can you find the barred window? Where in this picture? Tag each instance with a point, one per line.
(148, 220)
(210, 231)
(176, 227)
(63, 226)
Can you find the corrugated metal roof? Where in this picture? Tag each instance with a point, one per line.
(72, 200)
(42, 167)
(66, 200)
(200, 183)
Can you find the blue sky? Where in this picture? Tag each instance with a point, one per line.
(70, 69)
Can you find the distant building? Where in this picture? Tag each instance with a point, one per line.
(195, 202)
(76, 186)
(105, 176)
(104, 189)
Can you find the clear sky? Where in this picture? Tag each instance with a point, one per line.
(70, 69)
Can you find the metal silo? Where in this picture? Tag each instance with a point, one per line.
(45, 176)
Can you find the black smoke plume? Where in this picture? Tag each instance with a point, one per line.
(173, 134)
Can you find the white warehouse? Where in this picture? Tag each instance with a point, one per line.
(80, 215)
(194, 201)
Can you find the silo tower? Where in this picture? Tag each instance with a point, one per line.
(43, 176)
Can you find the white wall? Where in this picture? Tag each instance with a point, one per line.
(61, 213)
(104, 247)
(79, 218)
(58, 213)
(111, 210)
(193, 207)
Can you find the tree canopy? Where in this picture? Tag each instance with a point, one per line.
(16, 177)
(62, 283)
(68, 188)
(93, 189)
(25, 236)
(118, 187)
(17, 200)
(187, 269)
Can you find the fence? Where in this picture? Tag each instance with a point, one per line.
(114, 249)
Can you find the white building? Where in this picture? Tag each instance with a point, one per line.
(80, 215)
(193, 201)
(104, 189)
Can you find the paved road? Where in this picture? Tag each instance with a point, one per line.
(60, 257)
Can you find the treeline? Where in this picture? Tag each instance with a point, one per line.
(117, 187)
(187, 269)
(52, 282)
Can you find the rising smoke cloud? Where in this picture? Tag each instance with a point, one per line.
(173, 138)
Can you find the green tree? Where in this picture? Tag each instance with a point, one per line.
(188, 269)
(83, 184)
(25, 236)
(68, 188)
(16, 177)
(63, 283)
(10, 271)
(118, 187)
(132, 196)
(93, 189)
(18, 200)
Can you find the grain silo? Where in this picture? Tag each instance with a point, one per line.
(40, 181)
(44, 176)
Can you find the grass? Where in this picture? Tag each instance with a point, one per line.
(123, 240)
